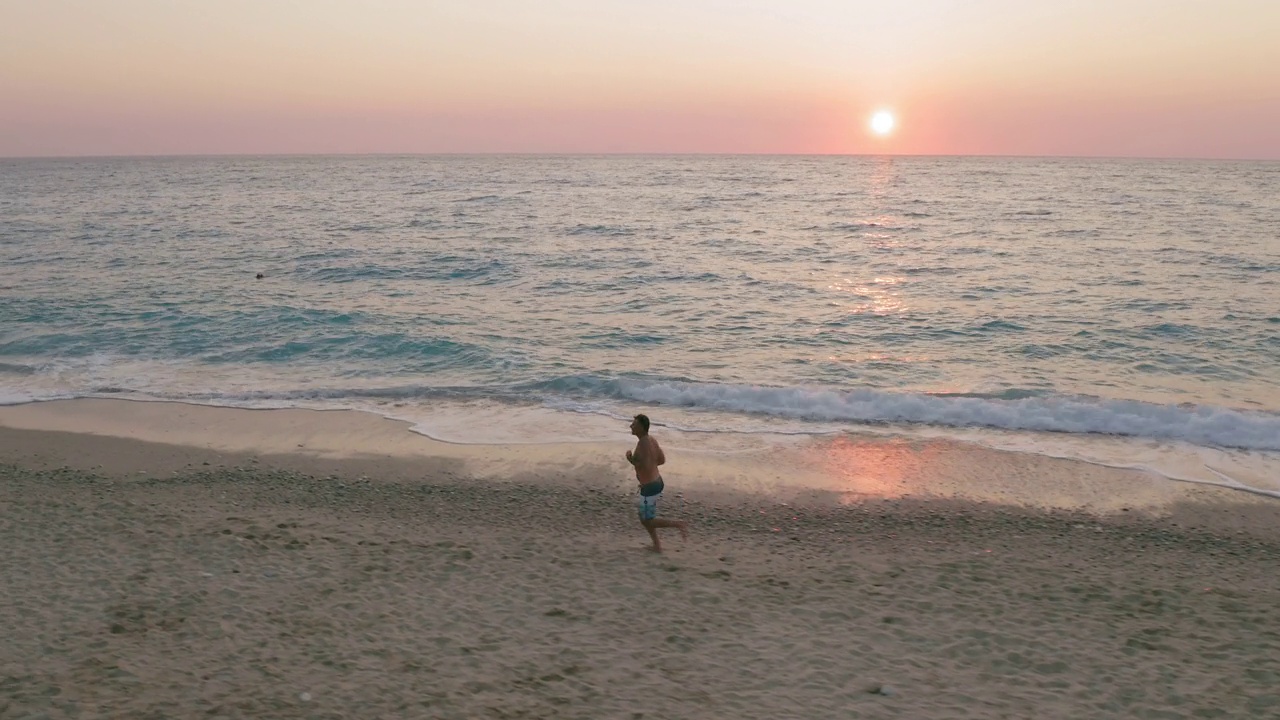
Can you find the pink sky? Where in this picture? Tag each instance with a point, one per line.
(1168, 78)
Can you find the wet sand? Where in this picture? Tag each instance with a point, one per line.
(165, 561)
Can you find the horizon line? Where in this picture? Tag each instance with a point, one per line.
(1010, 156)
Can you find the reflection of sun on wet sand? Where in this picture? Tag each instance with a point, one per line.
(314, 582)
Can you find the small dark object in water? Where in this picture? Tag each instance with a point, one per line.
(260, 276)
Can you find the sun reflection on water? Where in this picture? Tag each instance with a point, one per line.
(879, 297)
(876, 469)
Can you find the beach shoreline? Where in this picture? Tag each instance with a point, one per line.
(847, 467)
(213, 576)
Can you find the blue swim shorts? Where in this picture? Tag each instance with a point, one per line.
(650, 493)
(649, 506)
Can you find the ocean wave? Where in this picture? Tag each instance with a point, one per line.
(880, 226)
(18, 369)
(22, 397)
(447, 267)
(607, 230)
(1013, 409)
(1198, 424)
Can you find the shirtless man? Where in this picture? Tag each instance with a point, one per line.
(646, 458)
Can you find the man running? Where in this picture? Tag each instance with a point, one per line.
(646, 458)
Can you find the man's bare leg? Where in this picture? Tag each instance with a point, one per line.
(680, 525)
(653, 525)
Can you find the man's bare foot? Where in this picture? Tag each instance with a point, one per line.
(654, 549)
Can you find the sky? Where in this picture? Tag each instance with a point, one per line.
(1126, 78)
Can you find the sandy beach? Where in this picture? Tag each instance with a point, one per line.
(167, 561)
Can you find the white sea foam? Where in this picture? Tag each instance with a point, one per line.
(19, 397)
(735, 420)
(777, 410)
(1201, 425)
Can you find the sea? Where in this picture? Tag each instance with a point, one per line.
(1119, 312)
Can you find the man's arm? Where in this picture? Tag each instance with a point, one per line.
(639, 454)
(658, 455)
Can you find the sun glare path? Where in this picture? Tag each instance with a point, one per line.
(882, 122)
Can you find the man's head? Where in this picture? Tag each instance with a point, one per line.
(640, 425)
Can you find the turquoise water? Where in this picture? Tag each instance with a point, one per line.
(1050, 305)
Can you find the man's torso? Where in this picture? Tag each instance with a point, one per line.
(646, 460)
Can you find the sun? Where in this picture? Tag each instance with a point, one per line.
(882, 122)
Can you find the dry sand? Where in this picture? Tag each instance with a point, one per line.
(139, 581)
